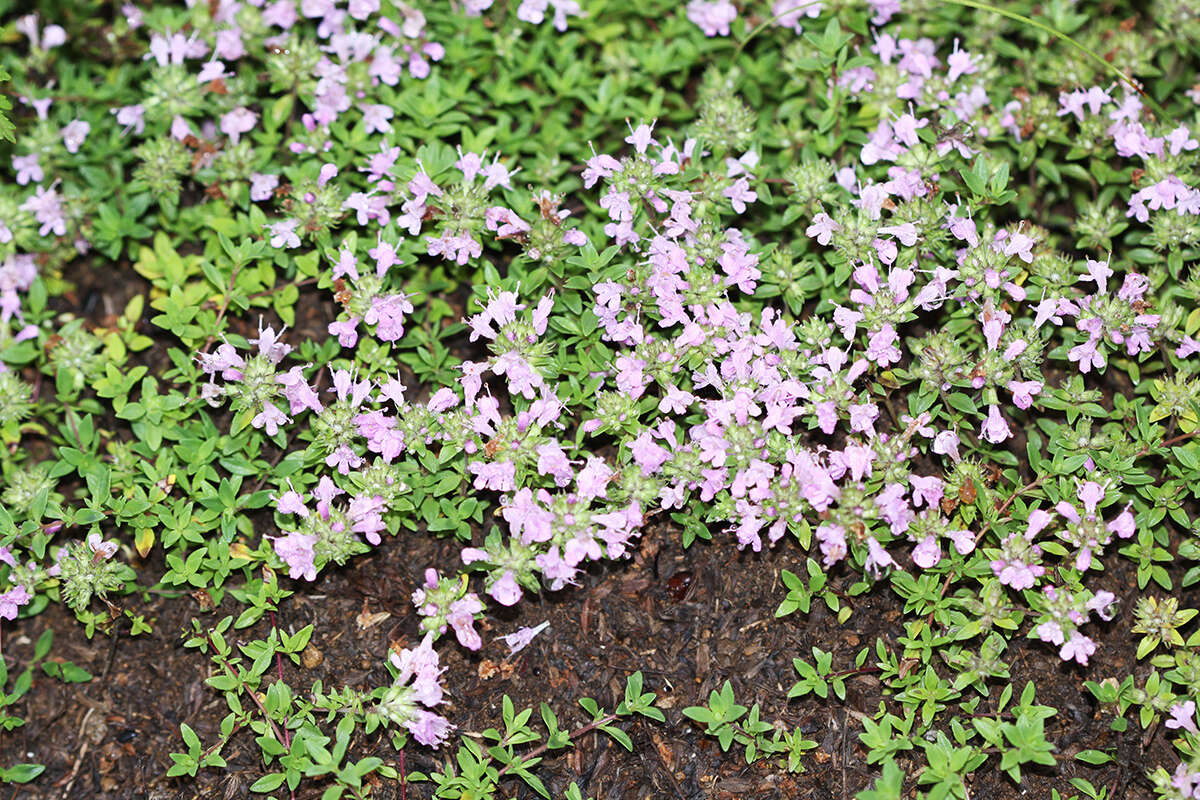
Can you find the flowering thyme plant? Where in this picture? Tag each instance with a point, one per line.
(850, 286)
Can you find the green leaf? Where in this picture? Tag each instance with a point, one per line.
(268, 783)
(23, 773)
(619, 736)
(190, 738)
(1094, 757)
(44, 642)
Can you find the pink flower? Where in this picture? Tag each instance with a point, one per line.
(1023, 392)
(420, 665)
(712, 18)
(498, 476)
(12, 600)
(1020, 245)
(283, 234)
(1123, 525)
(519, 640)
(881, 346)
(995, 429)
(1102, 603)
(443, 399)
(964, 541)
(960, 63)
(506, 591)
(927, 489)
(641, 137)
(1090, 494)
(101, 549)
(376, 118)
(1183, 717)
(281, 13)
(905, 128)
(327, 491)
(1039, 518)
(857, 460)
(290, 502)
(235, 123)
(262, 187)
(833, 543)
(945, 443)
(1051, 633)
(862, 418)
(296, 550)
(328, 172)
(28, 170)
(1088, 355)
(822, 228)
(387, 313)
(346, 331)
(270, 418)
(461, 618)
(344, 459)
(270, 345)
(1017, 574)
(647, 454)
(740, 194)
(131, 118)
(553, 461)
(1078, 647)
(927, 553)
(592, 480)
(877, 558)
(428, 728)
(459, 248)
(229, 45)
(74, 134)
(534, 11)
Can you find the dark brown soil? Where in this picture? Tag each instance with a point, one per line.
(688, 619)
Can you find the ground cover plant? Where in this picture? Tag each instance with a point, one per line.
(599, 399)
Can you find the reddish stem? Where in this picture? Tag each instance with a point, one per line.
(287, 736)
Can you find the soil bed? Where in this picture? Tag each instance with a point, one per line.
(689, 619)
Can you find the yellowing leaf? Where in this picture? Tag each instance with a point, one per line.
(144, 541)
(147, 264)
(1193, 322)
(114, 348)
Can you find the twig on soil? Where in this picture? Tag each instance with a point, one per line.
(82, 752)
(845, 730)
(667, 768)
(112, 652)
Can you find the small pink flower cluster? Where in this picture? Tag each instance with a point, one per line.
(1064, 612)
(446, 603)
(416, 689)
(254, 383)
(329, 533)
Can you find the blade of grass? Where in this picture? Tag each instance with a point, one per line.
(1041, 26)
